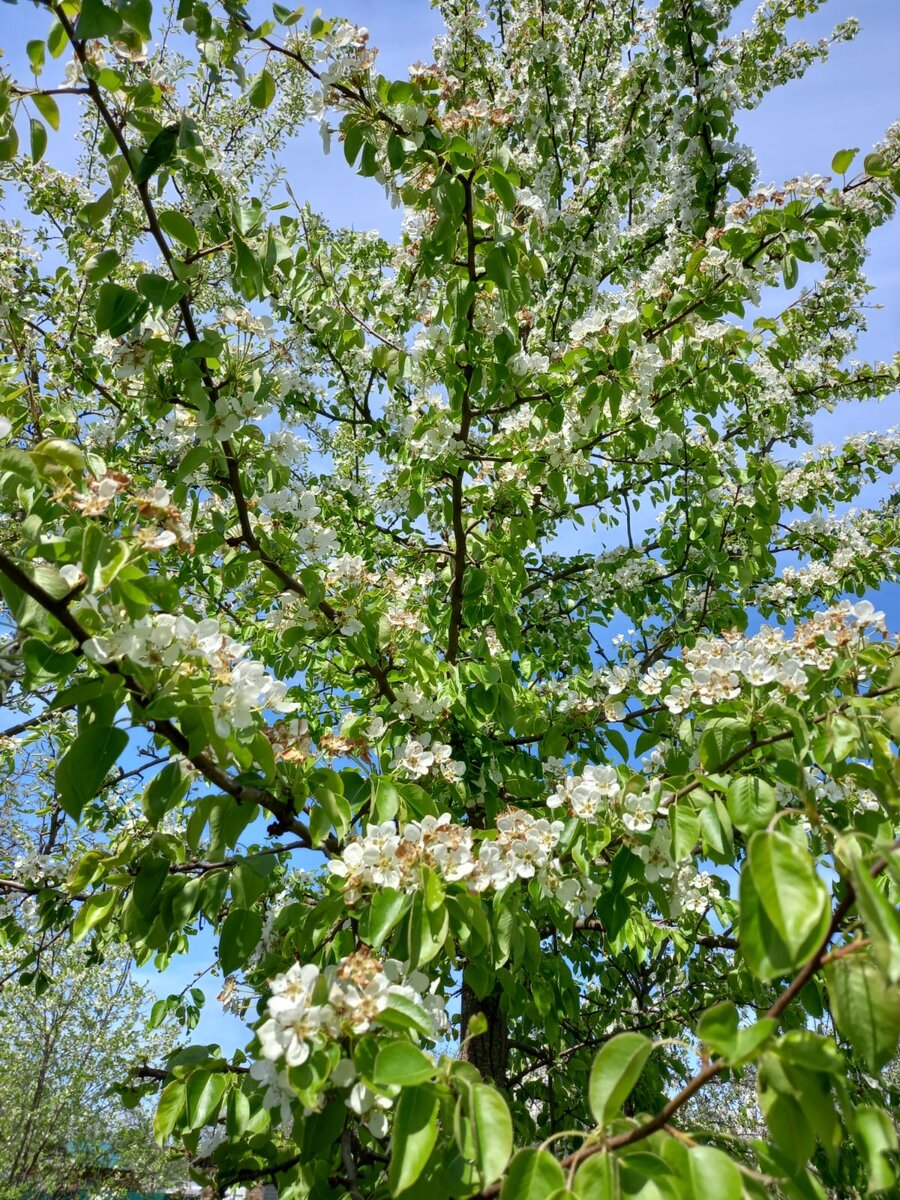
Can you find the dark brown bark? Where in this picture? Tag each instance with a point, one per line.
(489, 1052)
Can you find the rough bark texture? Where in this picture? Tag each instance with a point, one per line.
(489, 1052)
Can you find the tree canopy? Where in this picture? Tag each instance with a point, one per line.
(458, 627)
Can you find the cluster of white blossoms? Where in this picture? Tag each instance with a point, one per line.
(422, 756)
(436, 436)
(369, 1107)
(310, 1005)
(824, 470)
(596, 792)
(718, 668)
(856, 538)
(827, 792)
(692, 891)
(154, 504)
(387, 856)
(180, 644)
(36, 868)
(587, 794)
(409, 701)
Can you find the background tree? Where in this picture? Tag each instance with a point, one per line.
(67, 1044)
(295, 536)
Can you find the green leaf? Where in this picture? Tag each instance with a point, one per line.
(166, 789)
(137, 15)
(203, 1097)
(86, 764)
(237, 1114)
(90, 215)
(147, 887)
(387, 799)
(331, 812)
(751, 803)
(718, 1030)
(492, 1131)
(720, 740)
(48, 109)
(840, 164)
(35, 52)
(866, 1008)
(354, 135)
(97, 20)
(532, 1175)
(712, 1173)
(97, 909)
(598, 1178)
(161, 150)
(403, 1064)
(875, 1134)
(161, 291)
(617, 1068)
(685, 826)
(785, 910)
(98, 266)
(176, 225)
(168, 1110)
(792, 1109)
(46, 664)
(504, 189)
(158, 1014)
(118, 309)
(241, 931)
(262, 92)
(496, 267)
(250, 878)
(876, 165)
(9, 144)
(405, 1014)
(382, 913)
(415, 1133)
(881, 919)
(427, 930)
(395, 152)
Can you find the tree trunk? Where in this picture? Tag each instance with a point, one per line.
(489, 1052)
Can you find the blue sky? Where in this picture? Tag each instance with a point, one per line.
(848, 102)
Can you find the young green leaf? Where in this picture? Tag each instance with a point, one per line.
(784, 905)
(415, 1133)
(598, 1178)
(402, 1064)
(617, 1068)
(96, 910)
(712, 1173)
(203, 1097)
(86, 764)
(532, 1175)
(48, 109)
(176, 225)
(168, 1110)
(241, 931)
(840, 164)
(866, 1008)
(262, 93)
(492, 1131)
(751, 803)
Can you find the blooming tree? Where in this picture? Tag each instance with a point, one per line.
(455, 626)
